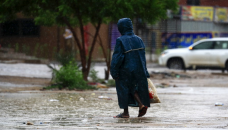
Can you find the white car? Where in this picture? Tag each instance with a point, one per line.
(207, 53)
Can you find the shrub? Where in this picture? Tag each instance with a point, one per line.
(69, 76)
(66, 58)
(17, 47)
(93, 75)
(111, 83)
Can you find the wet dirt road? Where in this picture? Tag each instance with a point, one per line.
(181, 108)
(189, 105)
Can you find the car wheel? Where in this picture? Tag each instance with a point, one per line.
(176, 64)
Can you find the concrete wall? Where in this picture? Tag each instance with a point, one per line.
(46, 44)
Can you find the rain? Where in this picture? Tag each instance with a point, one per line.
(56, 56)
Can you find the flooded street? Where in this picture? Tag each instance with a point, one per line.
(61, 62)
(182, 107)
(187, 102)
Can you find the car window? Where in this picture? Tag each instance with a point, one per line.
(221, 45)
(204, 45)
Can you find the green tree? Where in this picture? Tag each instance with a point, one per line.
(77, 13)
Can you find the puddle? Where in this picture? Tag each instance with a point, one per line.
(66, 110)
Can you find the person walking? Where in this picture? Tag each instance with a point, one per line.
(128, 69)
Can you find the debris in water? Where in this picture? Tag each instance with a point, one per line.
(29, 123)
(175, 85)
(157, 74)
(105, 97)
(219, 104)
(53, 100)
(163, 85)
(81, 99)
(93, 94)
(101, 86)
(85, 120)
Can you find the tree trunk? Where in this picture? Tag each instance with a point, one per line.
(82, 52)
(109, 53)
(85, 70)
(107, 57)
(85, 64)
(92, 47)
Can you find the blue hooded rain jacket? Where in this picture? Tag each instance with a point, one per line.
(128, 66)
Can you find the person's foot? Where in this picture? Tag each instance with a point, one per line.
(122, 115)
(140, 107)
(142, 110)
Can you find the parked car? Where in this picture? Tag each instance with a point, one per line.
(207, 53)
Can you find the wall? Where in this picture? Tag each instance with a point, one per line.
(46, 44)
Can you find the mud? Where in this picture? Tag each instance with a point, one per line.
(25, 80)
(190, 78)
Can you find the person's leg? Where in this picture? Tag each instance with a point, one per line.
(125, 114)
(142, 108)
(122, 94)
(136, 96)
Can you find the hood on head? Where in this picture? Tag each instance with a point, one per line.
(125, 25)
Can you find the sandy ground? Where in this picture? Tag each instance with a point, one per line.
(187, 102)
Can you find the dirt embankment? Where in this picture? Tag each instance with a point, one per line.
(17, 83)
(161, 79)
(189, 78)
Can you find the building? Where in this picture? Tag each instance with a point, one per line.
(197, 19)
(44, 42)
(179, 30)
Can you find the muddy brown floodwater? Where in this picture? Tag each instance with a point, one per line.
(181, 107)
(189, 105)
